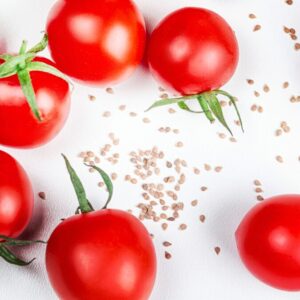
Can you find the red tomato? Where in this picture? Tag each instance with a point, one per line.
(96, 42)
(268, 240)
(19, 127)
(16, 197)
(107, 255)
(193, 50)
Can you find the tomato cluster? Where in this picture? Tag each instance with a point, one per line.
(108, 254)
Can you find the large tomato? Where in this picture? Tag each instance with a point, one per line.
(193, 50)
(19, 126)
(268, 240)
(96, 42)
(106, 254)
(16, 197)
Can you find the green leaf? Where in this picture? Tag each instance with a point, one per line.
(9, 257)
(204, 105)
(43, 67)
(26, 84)
(84, 204)
(107, 182)
(40, 46)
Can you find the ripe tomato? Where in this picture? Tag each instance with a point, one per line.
(193, 50)
(268, 241)
(16, 197)
(19, 127)
(106, 254)
(96, 42)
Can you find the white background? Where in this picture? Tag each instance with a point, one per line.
(195, 271)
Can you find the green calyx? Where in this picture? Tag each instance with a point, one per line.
(22, 65)
(84, 204)
(9, 256)
(209, 104)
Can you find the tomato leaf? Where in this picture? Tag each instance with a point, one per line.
(107, 182)
(26, 84)
(11, 258)
(84, 204)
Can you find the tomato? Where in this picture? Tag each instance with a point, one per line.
(16, 197)
(193, 50)
(96, 42)
(19, 127)
(106, 254)
(268, 241)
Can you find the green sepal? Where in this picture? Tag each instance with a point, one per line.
(164, 102)
(11, 65)
(182, 105)
(27, 88)
(5, 57)
(11, 258)
(23, 48)
(107, 182)
(7, 241)
(43, 67)
(205, 107)
(84, 204)
(216, 109)
(233, 102)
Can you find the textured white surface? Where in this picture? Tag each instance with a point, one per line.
(195, 271)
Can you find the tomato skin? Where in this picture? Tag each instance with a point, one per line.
(96, 42)
(268, 241)
(193, 50)
(16, 197)
(107, 255)
(19, 127)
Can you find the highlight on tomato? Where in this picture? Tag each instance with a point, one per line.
(268, 241)
(96, 42)
(104, 254)
(16, 206)
(194, 52)
(34, 98)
